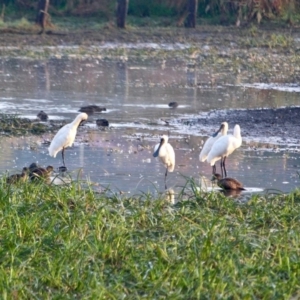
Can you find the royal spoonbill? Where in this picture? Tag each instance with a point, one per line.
(65, 136)
(16, 178)
(223, 147)
(211, 140)
(227, 183)
(42, 116)
(165, 152)
(173, 104)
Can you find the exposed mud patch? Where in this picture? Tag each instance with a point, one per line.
(277, 126)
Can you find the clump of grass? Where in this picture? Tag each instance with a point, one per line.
(11, 124)
(69, 242)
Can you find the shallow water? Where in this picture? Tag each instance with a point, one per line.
(136, 95)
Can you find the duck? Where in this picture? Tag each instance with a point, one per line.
(16, 178)
(90, 109)
(42, 116)
(102, 122)
(40, 173)
(173, 104)
(227, 183)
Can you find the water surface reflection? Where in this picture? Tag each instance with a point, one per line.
(136, 95)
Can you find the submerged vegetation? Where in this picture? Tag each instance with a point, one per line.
(14, 125)
(73, 243)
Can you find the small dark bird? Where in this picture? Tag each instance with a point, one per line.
(42, 116)
(40, 173)
(16, 178)
(90, 109)
(227, 183)
(173, 104)
(33, 166)
(62, 169)
(102, 122)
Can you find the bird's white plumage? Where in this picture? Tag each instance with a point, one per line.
(166, 154)
(66, 135)
(225, 145)
(211, 140)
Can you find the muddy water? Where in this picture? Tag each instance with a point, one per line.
(136, 95)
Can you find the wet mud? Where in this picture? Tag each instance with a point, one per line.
(279, 126)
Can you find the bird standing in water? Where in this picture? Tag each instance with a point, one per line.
(210, 142)
(165, 152)
(227, 183)
(65, 136)
(223, 147)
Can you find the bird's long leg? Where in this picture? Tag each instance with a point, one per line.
(63, 156)
(214, 169)
(221, 164)
(166, 178)
(224, 166)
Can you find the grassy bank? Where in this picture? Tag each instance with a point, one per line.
(72, 243)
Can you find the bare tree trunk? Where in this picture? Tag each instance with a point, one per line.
(42, 14)
(192, 13)
(122, 8)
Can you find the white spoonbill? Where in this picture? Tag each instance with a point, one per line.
(211, 140)
(65, 136)
(223, 147)
(166, 154)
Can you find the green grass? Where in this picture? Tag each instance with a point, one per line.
(69, 242)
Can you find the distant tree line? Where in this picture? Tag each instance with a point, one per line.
(185, 11)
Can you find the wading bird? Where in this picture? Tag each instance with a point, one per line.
(211, 140)
(65, 136)
(227, 183)
(166, 154)
(223, 147)
(15, 178)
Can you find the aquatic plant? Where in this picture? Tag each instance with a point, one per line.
(72, 242)
(11, 124)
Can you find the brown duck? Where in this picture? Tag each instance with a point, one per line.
(16, 178)
(40, 173)
(227, 183)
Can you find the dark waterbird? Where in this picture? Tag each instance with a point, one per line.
(16, 178)
(90, 109)
(227, 183)
(40, 173)
(173, 104)
(42, 116)
(102, 122)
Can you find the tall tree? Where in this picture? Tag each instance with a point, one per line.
(42, 14)
(192, 13)
(122, 7)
